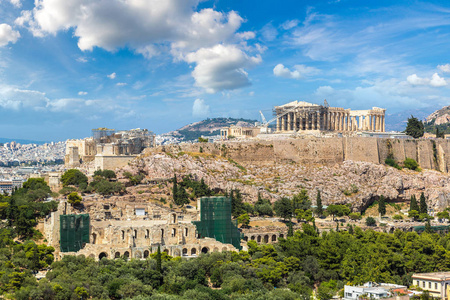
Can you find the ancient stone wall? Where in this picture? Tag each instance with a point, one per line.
(430, 154)
(104, 162)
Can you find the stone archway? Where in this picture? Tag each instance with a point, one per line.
(246, 238)
(167, 251)
(281, 235)
(216, 249)
(185, 252)
(126, 254)
(205, 250)
(117, 255)
(266, 238)
(224, 249)
(138, 254)
(258, 239)
(274, 238)
(193, 251)
(176, 252)
(94, 238)
(146, 253)
(102, 255)
(253, 238)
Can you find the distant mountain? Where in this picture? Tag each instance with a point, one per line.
(20, 141)
(208, 127)
(397, 121)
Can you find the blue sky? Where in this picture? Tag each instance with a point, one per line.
(69, 66)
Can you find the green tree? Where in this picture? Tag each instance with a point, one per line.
(73, 177)
(283, 208)
(319, 209)
(108, 174)
(382, 206)
(158, 261)
(354, 216)
(244, 219)
(290, 232)
(411, 164)
(414, 214)
(423, 208)
(338, 210)
(413, 204)
(182, 196)
(301, 200)
(237, 204)
(74, 199)
(428, 227)
(414, 127)
(440, 134)
(443, 215)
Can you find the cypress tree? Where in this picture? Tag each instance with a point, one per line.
(158, 260)
(350, 229)
(382, 206)
(413, 204)
(428, 227)
(175, 189)
(290, 230)
(319, 209)
(423, 209)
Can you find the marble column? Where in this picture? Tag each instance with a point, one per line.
(278, 125)
(294, 122)
(382, 124)
(283, 123)
(289, 122)
(316, 120)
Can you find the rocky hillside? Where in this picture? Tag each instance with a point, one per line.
(358, 183)
(441, 116)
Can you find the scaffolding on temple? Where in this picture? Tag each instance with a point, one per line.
(74, 232)
(215, 221)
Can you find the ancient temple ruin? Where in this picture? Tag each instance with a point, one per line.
(300, 116)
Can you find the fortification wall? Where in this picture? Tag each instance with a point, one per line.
(105, 162)
(430, 154)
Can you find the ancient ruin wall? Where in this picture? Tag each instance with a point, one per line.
(430, 154)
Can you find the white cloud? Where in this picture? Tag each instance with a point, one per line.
(111, 76)
(444, 68)
(252, 93)
(200, 108)
(150, 28)
(435, 81)
(16, 3)
(281, 71)
(269, 32)
(18, 99)
(221, 67)
(324, 91)
(300, 71)
(121, 84)
(81, 93)
(290, 24)
(82, 59)
(8, 35)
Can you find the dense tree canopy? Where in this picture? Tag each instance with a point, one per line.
(414, 127)
(73, 177)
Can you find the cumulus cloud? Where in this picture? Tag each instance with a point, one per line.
(81, 93)
(17, 99)
(435, 81)
(300, 71)
(200, 108)
(444, 68)
(121, 84)
(16, 3)
(150, 28)
(111, 76)
(221, 67)
(8, 35)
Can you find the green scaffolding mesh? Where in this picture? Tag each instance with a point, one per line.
(74, 232)
(215, 221)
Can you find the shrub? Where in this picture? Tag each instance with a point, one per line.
(397, 217)
(74, 198)
(73, 177)
(371, 221)
(411, 164)
(355, 216)
(391, 162)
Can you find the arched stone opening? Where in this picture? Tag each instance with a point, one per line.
(174, 232)
(126, 254)
(185, 252)
(274, 238)
(138, 254)
(174, 218)
(91, 255)
(224, 249)
(176, 252)
(216, 249)
(167, 251)
(102, 255)
(281, 235)
(266, 238)
(205, 250)
(193, 251)
(117, 255)
(253, 237)
(146, 253)
(246, 238)
(258, 239)
(94, 238)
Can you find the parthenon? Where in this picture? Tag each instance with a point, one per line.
(300, 115)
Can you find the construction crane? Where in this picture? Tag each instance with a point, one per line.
(265, 123)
